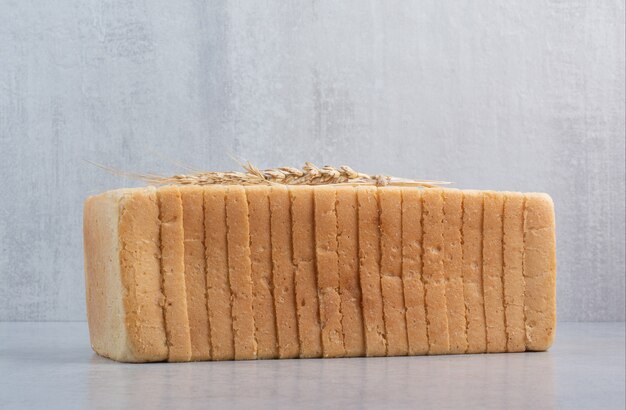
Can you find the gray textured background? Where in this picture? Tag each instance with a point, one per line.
(524, 95)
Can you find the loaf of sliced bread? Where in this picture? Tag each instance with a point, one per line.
(223, 272)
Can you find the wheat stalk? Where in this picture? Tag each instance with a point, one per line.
(308, 175)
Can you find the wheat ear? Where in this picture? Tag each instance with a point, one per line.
(308, 175)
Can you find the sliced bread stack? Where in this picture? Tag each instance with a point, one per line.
(223, 272)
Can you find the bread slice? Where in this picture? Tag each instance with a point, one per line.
(513, 271)
(261, 265)
(369, 271)
(453, 268)
(539, 271)
(390, 203)
(195, 271)
(239, 272)
(303, 245)
(173, 274)
(326, 254)
(349, 282)
(219, 295)
(492, 272)
(472, 271)
(123, 275)
(433, 273)
(412, 278)
(283, 274)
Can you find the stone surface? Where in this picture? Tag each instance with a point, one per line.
(517, 96)
(583, 370)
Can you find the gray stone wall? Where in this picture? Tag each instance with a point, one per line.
(518, 95)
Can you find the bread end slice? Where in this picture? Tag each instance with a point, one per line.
(122, 277)
(539, 271)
